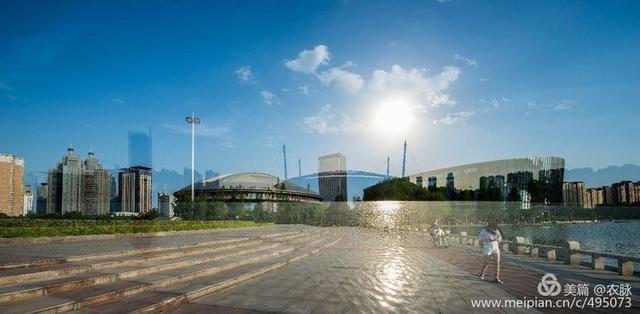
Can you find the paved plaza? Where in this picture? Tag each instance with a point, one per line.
(291, 269)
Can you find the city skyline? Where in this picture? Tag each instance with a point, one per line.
(79, 73)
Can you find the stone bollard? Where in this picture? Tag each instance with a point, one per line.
(626, 268)
(574, 257)
(597, 262)
(505, 247)
(535, 251)
(520, 249)
(476, 242)
(551, 255)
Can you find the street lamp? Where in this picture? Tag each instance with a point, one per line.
(193, 120)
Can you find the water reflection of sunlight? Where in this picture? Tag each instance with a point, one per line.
(394, 278)
(388, 211)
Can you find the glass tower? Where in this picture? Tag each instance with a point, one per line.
(140, 149)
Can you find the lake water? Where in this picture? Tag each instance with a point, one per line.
(621, 237)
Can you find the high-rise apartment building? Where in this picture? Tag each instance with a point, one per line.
(433, 182)
(134, 185)
(95, 187)
(332, 177)
(594, 197)
(27, 204)
(41, 202)
(11, 185)
(166, 203)
(419, 181)
(573, 193)
(78, 186)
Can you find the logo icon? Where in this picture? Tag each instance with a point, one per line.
(549, 285)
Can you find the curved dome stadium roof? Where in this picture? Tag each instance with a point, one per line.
(250, 187)
(246, 180)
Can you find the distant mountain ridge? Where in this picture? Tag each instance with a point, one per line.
(605, 176)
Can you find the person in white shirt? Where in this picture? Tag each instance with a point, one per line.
(438, 235)
(490, 238)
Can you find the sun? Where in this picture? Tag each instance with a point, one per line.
(393, 116)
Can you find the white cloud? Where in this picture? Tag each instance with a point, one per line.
(309, 60)
(325, 122)
(342, 79)
(117, 100)
(415, 84)
(348, 125)
(321, 122)
(455, 118)
(494, 103)
(228, 144)
(566, 104)
(468, 61)
(245, 74)
(268, 97)
(304, 90)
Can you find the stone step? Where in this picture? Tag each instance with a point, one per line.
(66, 283)
(79, 298)
(167, 297)
(109, 260)
(51, 261)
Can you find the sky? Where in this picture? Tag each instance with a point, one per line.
(460, 81)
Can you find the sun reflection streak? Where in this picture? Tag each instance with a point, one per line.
(388, 212)
(394, 278)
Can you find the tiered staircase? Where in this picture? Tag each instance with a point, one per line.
(149, 279)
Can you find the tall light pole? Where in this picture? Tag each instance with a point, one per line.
(284, 154)
(404, 157)
(193, 120)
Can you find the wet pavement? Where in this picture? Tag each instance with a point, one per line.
(367, 272)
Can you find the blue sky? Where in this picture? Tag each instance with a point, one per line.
(462, 81)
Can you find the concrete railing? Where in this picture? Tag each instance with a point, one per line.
(573, 253)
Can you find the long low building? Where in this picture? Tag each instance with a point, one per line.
(249, 188)
(504, 174)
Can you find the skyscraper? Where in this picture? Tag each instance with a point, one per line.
(11, 184)
(166, 203)
(41, 202)
(573, 193)
(433, 182)
(114, 200)
(451, 185)
(79, 186)
(140, 149)
(96, 190)
(419, 181)
(28, 200)
(134, 184)
(332, 177)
